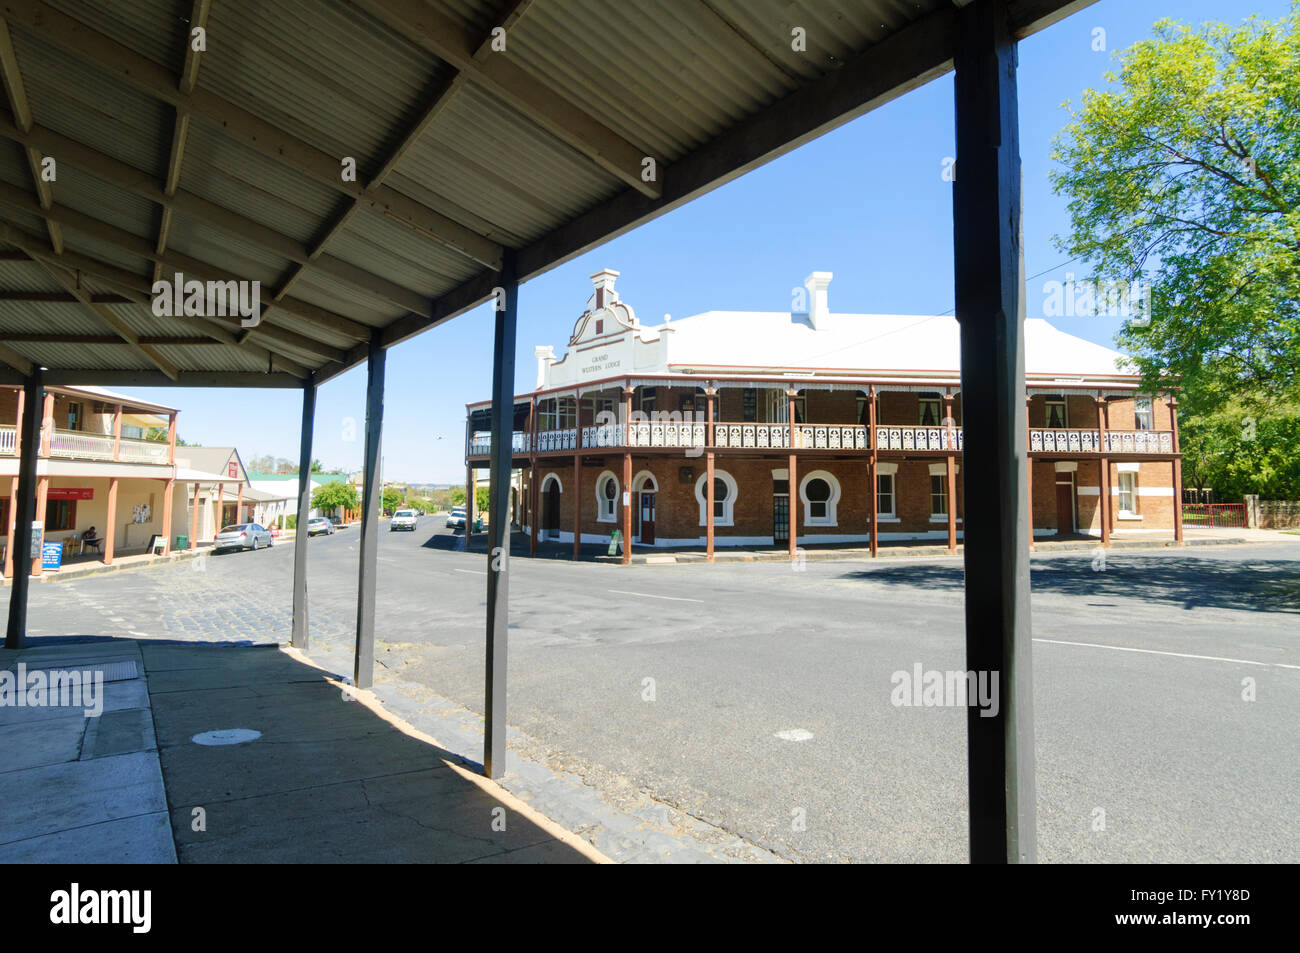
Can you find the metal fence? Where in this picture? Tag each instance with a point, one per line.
(1214, 514)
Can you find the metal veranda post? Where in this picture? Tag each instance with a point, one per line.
(989, 280)
(506, 305)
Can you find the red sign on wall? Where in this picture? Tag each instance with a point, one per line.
(233, 469)
(70, 493)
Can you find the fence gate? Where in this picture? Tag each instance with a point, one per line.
(1214, 514)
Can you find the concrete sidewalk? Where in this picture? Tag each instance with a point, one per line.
(79, 789)
(329, 777)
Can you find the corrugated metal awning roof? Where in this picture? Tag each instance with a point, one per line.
(227, 163)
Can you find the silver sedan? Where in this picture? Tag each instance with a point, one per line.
(242, 536)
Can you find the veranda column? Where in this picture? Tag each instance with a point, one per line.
(117, 431)
(469, 503)
(989, 278)
(532, 477)
(627, 508)
(1103, 469)
(577, 473)
(13, 488)
(169, 495)
(23, 505)
(194, 520)
(43, 483)
(9, 530)
(498, 542)
(42, 500)
(1029, 474)
(872, 476)
(300, 629)
(794, 481)
(1177, 466)
(709, 466)
(47, 424)
(627, 476)
(952, 472)
(221, 514)
(239, 505)
(363, 666)
(110, 530)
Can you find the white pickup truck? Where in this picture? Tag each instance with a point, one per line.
(404, 519)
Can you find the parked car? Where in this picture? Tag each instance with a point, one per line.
(404, 519)
(456, 518)
(319, 524)
(243, 536)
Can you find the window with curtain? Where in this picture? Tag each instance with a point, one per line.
(1143, 414)
(930, 410)
(1057, 418)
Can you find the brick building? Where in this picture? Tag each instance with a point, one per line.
(680, 434)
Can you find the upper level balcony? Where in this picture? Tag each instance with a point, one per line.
(77, 445)
(670, 435)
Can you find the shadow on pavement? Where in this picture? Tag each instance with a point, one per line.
(1258, 584)
(328, 780)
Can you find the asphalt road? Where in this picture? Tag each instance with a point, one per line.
(758, 698)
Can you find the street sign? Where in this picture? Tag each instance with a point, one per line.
(615, 542)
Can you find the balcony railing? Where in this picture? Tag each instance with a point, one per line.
(666, 434)
(1089, 441)
(75, 445)
(915, 438)
(768, 436)
(480, 442)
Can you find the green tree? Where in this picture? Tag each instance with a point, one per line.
(1236, 452)
(1185, 173)
(392, 498)
(332, 496)
(457, 496)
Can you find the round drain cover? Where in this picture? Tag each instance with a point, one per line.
(226, 736)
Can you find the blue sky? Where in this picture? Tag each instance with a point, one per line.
(867, 202)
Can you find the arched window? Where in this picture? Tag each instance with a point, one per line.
(820, 492)
(607, 498)
(724, 498)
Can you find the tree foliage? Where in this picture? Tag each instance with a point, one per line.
(1185, 172)
(332, 496)
(1236, 452)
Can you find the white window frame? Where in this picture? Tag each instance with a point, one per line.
(1144, 407)
(602, 501)
(1131, 478)
(892, 512)
(830, 518)
(728, 517)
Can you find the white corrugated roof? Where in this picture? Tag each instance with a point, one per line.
(864, 342)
